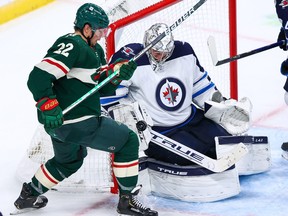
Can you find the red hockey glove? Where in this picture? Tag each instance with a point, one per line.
(50, 113)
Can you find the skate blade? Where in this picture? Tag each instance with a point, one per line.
(21, 211)
(284, 155)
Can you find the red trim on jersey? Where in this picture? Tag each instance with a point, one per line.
(56, 64)
(126, 165)
(46, 175)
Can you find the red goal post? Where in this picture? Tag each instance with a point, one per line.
(215, 17)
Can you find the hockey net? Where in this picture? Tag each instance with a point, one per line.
(212, 18)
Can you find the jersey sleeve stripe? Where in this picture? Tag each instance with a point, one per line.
(201, 91)
(53, 67)
(58, 64)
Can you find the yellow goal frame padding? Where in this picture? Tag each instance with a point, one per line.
(19, 7)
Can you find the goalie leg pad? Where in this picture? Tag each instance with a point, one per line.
(258, 158)
(132, 114)
(187, 183)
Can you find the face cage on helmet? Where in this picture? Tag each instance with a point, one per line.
(166, 44)
(168, 50)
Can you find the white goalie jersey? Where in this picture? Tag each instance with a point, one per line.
(167, 93)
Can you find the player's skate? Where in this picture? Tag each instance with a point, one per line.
(26, 200)
(130, 205)
(284, 147)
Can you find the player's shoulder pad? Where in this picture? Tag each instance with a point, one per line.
(181, 49)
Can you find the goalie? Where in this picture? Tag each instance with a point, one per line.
(180, 97)
(184, 105)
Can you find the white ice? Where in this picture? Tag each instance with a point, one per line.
(24, 41)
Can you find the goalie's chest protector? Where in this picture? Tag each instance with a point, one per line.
(167, 93)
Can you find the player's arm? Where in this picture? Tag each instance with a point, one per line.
(232, 115)
(53, 66)
(203, 87)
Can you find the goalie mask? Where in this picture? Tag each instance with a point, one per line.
(161, 51)
(93, 15)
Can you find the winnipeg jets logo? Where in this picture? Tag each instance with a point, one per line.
(284, 3)
(128, 51)
(170, 94)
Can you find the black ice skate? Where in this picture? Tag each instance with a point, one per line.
(130, 205)
(284, 147)
(27, 200)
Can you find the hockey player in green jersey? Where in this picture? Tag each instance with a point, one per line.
(66, 73)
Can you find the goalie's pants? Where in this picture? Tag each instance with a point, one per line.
(70, 142)
(198, 133)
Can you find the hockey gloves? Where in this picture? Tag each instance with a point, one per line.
(50, 113)
(282, 36)
(125, 70)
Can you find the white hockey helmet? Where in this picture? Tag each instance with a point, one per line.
(165, 46)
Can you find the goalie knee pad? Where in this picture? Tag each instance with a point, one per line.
(187, 183)
(258, 158)
(136, 118)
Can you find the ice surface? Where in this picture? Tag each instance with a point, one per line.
(24, 41)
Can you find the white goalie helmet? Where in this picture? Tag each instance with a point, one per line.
(161, 51)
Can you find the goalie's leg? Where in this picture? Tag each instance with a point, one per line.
(197, 134)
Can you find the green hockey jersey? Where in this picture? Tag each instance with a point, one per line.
(66, 71)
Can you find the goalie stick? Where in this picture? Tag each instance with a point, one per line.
(215, 165)
(136, 117)
(213, 51)
(137, 56)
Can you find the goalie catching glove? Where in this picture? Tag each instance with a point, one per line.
(125, 70)
(50, 114)
(231, 114)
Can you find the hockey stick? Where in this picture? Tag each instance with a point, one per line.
(137, 56)
(137, 119)
(215, 165)
(213, 52)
